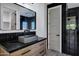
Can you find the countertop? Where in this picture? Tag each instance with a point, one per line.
(11, 31)
(12, 46)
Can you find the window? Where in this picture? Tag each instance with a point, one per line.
(24, 25)
(32, 25)
(27, 23)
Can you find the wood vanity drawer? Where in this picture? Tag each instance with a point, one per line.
(25, 51)
(41, 51)
(42, 44)
(33, 51)
(21, 51)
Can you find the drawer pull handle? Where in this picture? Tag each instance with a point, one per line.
(25, 52)
(41, 44)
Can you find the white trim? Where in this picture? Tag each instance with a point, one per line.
(60, 26)
(12, 31)
(54, 7)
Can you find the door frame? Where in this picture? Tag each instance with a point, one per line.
(63, 21)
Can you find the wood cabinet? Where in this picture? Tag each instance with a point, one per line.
(3, 52)
(37, 49)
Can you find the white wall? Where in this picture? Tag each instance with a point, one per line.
(41, 17)
(0, 16)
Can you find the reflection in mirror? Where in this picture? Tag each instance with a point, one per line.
(27, 19)
(71, 23)
(8, 19)
(13, 21)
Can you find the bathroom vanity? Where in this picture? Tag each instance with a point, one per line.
(35, 48)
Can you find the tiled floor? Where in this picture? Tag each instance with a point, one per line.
(55, 53)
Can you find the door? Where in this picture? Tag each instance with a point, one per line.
(54, 28)
(71, 35)
(13, 20)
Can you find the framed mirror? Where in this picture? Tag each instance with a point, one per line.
(16, 17)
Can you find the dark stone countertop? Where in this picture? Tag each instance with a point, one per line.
(16, 45)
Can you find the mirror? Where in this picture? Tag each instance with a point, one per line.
(27, 19)
(16, 17)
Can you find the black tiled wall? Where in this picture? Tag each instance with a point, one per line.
(13, 36)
